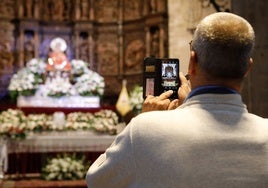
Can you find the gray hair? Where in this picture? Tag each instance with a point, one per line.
(223, 43)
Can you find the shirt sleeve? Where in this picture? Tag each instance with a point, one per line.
(115, 167)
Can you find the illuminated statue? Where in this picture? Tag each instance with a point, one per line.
(58, 66)
(58, 60)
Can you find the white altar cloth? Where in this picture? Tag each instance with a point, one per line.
(64, 101)
(65, 141)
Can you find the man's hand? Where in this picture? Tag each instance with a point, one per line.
(184, 89)
(162, 101)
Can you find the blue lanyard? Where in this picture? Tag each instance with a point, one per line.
(211, 89)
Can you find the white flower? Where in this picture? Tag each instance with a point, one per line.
(79, 66)
(36, 65)
(58, 87)
(136, 98)
(90, 84)
(29, 77)
(65, 167)
(12, 123)
(23, 80)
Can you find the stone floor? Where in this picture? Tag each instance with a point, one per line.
(38, 183)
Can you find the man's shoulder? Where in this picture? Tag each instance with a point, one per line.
(258, 119)
(161, 116)
(156, 122)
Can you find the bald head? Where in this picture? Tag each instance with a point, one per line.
(223, 43)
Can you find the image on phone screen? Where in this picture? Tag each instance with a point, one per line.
(169, 74)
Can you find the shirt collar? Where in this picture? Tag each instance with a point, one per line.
(211, 89)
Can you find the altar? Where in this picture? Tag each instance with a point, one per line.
(57, 81)
(86, 132)
(57, 111)
(29, 155)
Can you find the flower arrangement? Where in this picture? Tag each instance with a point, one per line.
(27, 80)
(36, 66)
(39, 122)
(136, 99)
(65, 167)
(105, 121)
(15, 124)
(90, 84)
(12, 124)
(57, 88)
(79, 67)
(79, 120)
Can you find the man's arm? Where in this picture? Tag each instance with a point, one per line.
(116, 167)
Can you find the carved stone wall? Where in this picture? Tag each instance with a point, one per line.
(184, 15)
(113, 36)
(7, 40)
(255, 89)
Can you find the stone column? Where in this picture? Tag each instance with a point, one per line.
(148, 41)
(91, 50)
(161, 41)
(76, 44)
(21, 49)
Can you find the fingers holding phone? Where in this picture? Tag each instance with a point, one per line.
(161, 102)
(184, 89)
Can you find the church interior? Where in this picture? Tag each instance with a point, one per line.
(71, 74)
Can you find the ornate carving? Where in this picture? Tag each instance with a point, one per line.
(221, 5)
(54, 10)
(155, 6)
(155, 42)
(7, 8)
(67, 10)
(133, 9)
(84, 7)
(134, 56)
(6, 44)
(6, 57)
(152, 6)
(84, 47)
(28, 8)
(107, 52)
(107, 10)
(29, 46)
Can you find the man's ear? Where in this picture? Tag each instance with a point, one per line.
(249, 67)
(192, 63)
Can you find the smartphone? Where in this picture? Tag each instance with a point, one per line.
(160, 75)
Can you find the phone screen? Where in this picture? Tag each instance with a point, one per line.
(169, 74)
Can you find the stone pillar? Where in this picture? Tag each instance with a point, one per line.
(91, 50)
(76, 41)
(120, 39)
(77, 12)
(20, 49)
(161, 41)
(91, 11)
(148, 39)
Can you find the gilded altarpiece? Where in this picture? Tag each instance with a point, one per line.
(112, 36)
